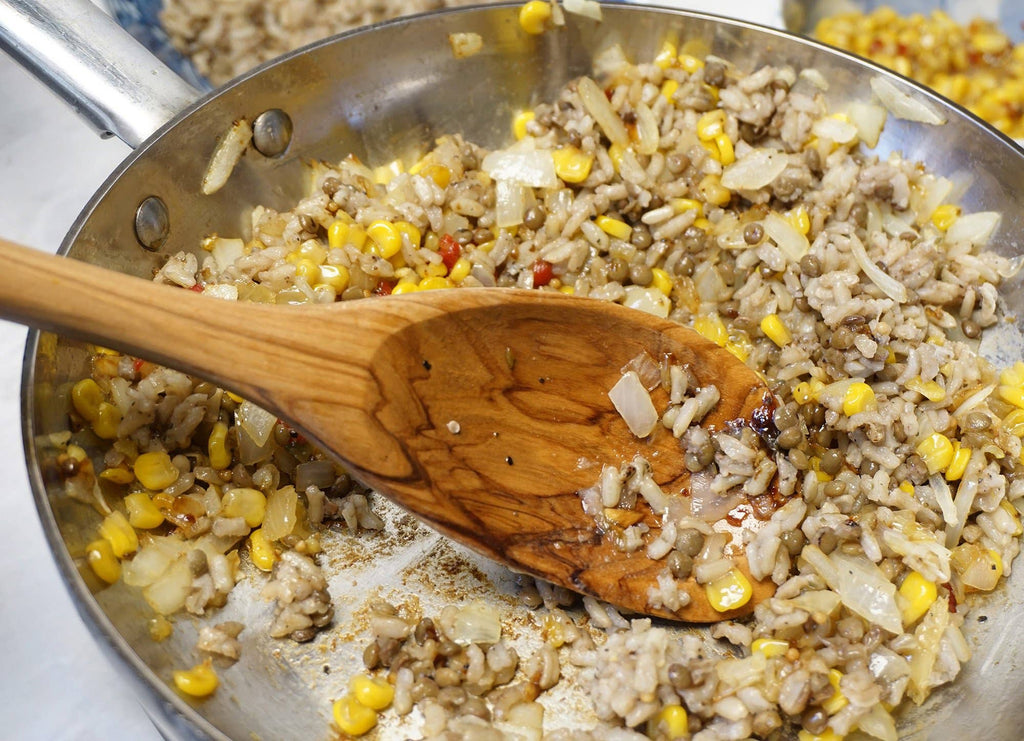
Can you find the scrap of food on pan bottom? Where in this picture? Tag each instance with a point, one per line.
(732, 201)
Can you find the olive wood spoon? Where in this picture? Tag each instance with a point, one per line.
(482, 411)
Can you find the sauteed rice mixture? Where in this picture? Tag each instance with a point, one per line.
(733, 202)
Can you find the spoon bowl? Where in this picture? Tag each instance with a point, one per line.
(485, 412)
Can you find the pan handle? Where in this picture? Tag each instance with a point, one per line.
(94, 65)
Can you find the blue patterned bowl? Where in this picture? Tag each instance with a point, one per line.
(141, 18)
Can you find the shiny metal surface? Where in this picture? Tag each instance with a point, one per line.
(344, 97)
(111, 80)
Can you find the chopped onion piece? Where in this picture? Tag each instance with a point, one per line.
(257, 422)
(944, 496)
(973, 228)
(475, 623)
(281, 513)
(905, 106)
(866, 591)
(755, 170)
(879, 724)
(597, 105)
(227, 154)
(465, 44)
(535, 168)
(869, 120)
(928, 638)
(588, 8)
(791, 243)
(226, 251)
(509, 203)
(646, 368)
(885, 282)
(974, 400)
(167, 594)
(814, 77)
(840, 132)
(650, 300)
(931, 193)
(633, 403)
(223, 291)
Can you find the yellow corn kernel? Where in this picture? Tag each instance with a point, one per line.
(217, 446)
(155, 470)
(352, 717)
(770, 647)
(931, 390)
(907, 487)
(385, 238)
(116, 530)
(681, 205)
(335, 276)
(668, 88)
(823, 477)
(160, 628)
(520, 121)
(534, 16)
(827, 735)
(1013, 376)
(308, 271)
(614, 227)
(440, 174)
(711, 327)
(859, 397)
(142, 513)
(434, 282)
(108, 419)
(312, 250)
(1012, 395)
(435, 270)
(711, 124)
(918, 595)
(838, 701)
(199, 681)
(104, 563)
(261, 550)
(666, 55)
(1014, 422)
(726, 153)
(572, 165)
(661, 280)
(740, 351)
(117, 475)
(404, 287)
(712, 149)
(945, 215)
(671, 722)
(337, 234)
(460, 270)
(371, 692)
(249, 504)
(615, 153)
(936, 451)
(713, 191)
(690, 63)
(86, 397)
(1015, 515)
(997, 562)
(799, 219)
(729, 591)
(702, 223)
(961, 457)
(802, 393)
(410, 232)
(234, 397)
(776, 330)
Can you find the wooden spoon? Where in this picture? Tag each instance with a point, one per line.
(482, 411)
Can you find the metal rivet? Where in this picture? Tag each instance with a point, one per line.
(272, 132)
(152, 223)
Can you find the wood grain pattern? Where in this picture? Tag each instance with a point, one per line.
(523, 374)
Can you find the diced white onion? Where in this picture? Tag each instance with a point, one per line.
(588, 8)
(885, 282)
(840, 132)
(866, 591)
(509, 203)
(226, 251)
(973, 228)
(792, 243)
(258, 422)
(633, 403)
(167, 594)
(647, 134)
(281, 513)
(869, 120)
(754, 171)
(535, 168)
(223, 291)
(650, 300)
(905, 106)
(474, 623)
(647, 369)
(465, 44)
(597, 105)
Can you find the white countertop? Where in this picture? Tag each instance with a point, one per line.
(56, 684)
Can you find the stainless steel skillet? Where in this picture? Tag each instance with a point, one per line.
(380, 93)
